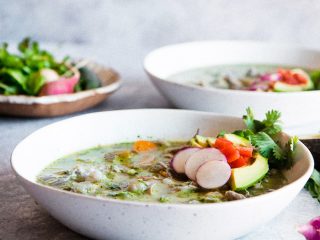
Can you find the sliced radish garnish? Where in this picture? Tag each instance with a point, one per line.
(213, 174)
(199, 157)
(179, 160)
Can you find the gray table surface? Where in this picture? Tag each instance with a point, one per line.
(22, 218)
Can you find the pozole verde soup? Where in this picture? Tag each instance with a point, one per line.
(230, 166)
(252, 77)
(120, 171)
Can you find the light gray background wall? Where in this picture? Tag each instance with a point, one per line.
(121, 32)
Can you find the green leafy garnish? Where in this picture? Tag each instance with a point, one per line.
(266, 145)
(262, 135)
(221, 133)
(185, 193)
(313, 185)
(280, 158)
(163, 199)
(269, 125)
(315, 77)
(20, 73)
(123, 195)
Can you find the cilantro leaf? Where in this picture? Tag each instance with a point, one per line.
(266, 146)
(292, 145)
(262, 135)
(246, 133)
(272, 117)
(269, 125)
(313, 185)
(249, 119)
(271, 122)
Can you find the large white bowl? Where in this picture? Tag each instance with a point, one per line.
(117, 219)
(298, 108)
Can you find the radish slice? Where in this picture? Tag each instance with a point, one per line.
(179, 160)
(199, 157)
(213, 174)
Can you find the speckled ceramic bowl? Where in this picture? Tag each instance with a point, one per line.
(118, 219)
(297, 108)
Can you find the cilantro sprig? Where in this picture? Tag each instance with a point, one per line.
(313, 185)
(262, 135)
(270, 125)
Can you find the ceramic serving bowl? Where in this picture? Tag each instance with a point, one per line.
(118, 219)
(298, 108)
(57, 105)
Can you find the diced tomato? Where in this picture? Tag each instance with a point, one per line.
(290, 77)
(237, 156)
(227, 148)
(245, 151)
(233, 156)
(222, 142)
(240, 162)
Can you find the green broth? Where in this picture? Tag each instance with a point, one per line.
(115, 171)
(238, 75)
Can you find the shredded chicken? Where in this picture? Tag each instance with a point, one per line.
(231, 195)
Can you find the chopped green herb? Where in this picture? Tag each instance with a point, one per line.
(163, 199)
(185, 193)
(132, 172)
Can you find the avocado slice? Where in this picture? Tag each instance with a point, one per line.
(201, 141)
(245, 177)
(194, 143)
(285, 87)
(237, 140)
(211, 141)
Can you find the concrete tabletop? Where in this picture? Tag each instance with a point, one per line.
(22, 218)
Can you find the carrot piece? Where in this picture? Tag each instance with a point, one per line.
(245, 151)
(143, 146)
(240, 162)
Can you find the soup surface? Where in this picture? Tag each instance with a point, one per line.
(248, 77)
(119, 171)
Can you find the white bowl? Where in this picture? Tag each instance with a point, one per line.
(298, 108)
(118, 219)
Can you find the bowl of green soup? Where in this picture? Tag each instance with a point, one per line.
(163, 174)
(227, 76)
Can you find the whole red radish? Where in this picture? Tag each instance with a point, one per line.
(63, 85)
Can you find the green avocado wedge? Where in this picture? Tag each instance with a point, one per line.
(245, 177)
(237, 140)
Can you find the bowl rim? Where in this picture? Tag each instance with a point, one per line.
(293, 47)
(305, 175)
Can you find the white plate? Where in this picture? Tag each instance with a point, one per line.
(298, 108)
(118, 219)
